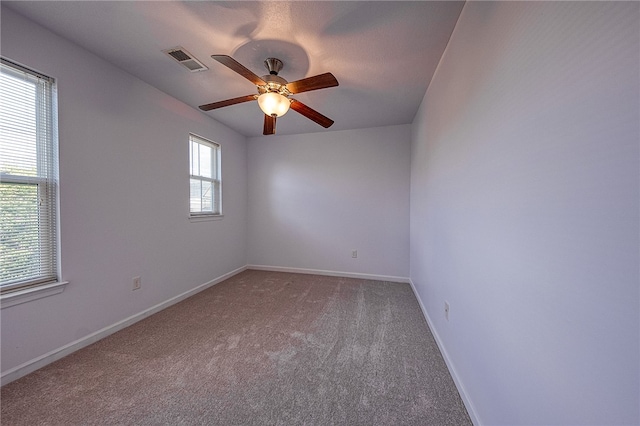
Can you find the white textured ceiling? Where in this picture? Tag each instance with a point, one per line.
(382, 53)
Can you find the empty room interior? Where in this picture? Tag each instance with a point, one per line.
(326, 212)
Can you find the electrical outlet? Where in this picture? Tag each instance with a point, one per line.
(136, 283)
(354, 253)
(446, 311)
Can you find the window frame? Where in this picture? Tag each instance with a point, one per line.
(215, 180)
(31, 287)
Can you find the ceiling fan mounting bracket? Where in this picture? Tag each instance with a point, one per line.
(273, 65)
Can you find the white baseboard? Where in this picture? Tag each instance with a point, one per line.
(329, 273)
(452, 370)
(56, 354)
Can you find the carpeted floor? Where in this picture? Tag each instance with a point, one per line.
(261, 348)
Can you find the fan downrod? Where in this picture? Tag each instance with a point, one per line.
(274, 65)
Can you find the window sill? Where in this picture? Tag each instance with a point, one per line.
(205, 217)
(29, 294)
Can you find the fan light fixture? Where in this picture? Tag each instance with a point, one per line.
(274, 91)
(274, 104)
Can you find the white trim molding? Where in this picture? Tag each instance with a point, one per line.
(32, 293)
(452, 370)
(329, 273)
(56, 354)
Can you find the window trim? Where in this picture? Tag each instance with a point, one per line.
(35, 292)
(205, 216)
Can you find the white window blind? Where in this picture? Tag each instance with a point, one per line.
(28, 179)
(205, 197)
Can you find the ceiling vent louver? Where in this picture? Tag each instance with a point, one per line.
(186, 59)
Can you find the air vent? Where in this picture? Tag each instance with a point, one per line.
(186, 59)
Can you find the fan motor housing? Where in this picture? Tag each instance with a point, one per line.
(274, 84)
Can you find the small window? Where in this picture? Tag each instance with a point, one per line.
(28, 179)
(205, 196)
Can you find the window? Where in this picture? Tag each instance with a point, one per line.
(205, 185)
(28, 179)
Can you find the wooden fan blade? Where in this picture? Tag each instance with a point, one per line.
(311, 114)
(228, 61)
(241, 99)
(313, 83)
(269, 125)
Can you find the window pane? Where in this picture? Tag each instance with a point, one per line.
(207, 204)
(18, 131)
(19, 227)
(190, 157)
(205, 161)
(217, 197)
(194, 198)
(195, 169)
(215, 163)
(205, 188)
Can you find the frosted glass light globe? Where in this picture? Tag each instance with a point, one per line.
(273, 103)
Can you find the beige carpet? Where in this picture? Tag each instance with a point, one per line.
(261, 348)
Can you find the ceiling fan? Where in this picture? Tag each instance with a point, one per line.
(274, 91)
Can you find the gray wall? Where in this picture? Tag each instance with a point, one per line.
(315, 197)
(524, 210)
(124, 193)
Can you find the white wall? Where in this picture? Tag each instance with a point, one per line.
(123, 197)
(524, 210)
(524, 205)
(315, 197)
